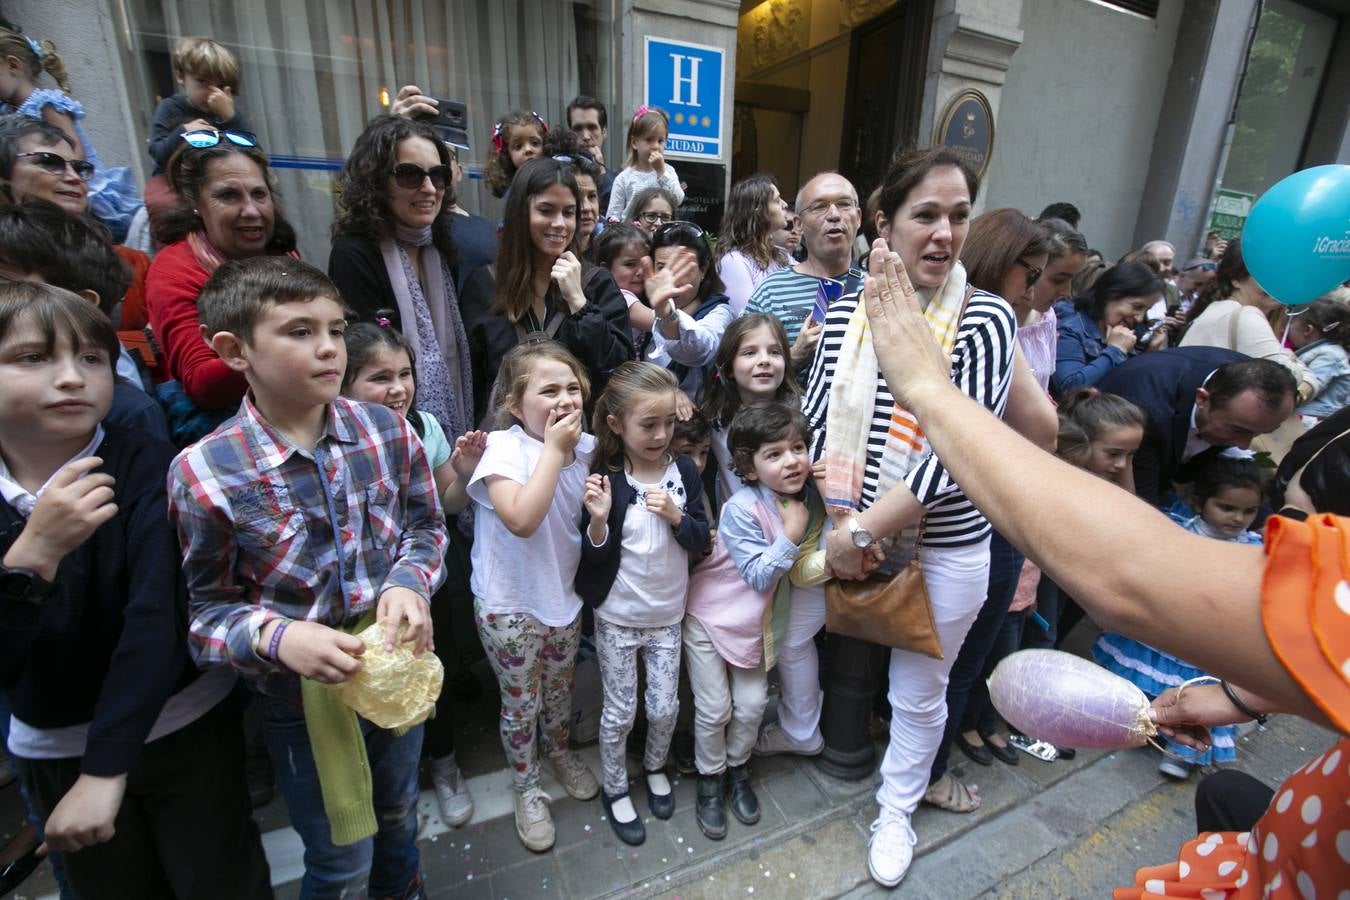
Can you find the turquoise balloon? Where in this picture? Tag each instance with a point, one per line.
(1296, 242)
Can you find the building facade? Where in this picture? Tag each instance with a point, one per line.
(1139, 113)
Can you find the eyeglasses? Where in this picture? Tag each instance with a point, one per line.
(410, 177)
(1034, 273)
(1203, 267)
(209, 137)
(655, 218)
(56, 164)
(822, 207)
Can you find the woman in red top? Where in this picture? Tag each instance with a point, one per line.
(1283, 609)
(228, 211)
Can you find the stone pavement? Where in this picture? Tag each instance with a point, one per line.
(1064, 829)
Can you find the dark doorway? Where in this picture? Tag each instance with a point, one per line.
(887, 65)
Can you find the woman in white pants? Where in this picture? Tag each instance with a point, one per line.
(882, 478)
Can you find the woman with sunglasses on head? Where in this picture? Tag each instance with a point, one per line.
(690, 307)
(392, 250)
(227, 210)
(541, 289)
(746, 254)
(1006, 254)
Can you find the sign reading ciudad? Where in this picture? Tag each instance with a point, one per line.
(686, 81)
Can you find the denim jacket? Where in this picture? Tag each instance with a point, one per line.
(1082, 355)
(1330, 365)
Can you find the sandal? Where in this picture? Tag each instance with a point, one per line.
(952, 794)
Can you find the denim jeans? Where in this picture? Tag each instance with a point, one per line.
(1005, 565)
(389, 858)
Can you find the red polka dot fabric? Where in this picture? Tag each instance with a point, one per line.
(1301, 846)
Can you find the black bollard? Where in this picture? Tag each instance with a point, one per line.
(853, 671)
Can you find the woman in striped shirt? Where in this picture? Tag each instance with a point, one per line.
(881, 478)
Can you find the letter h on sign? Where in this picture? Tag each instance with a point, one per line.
(686, 81)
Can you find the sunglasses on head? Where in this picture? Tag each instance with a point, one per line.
(1203, 267)
(1034, 273)
(688, 228)
(410, 177)
(57, 164)
(209, 137)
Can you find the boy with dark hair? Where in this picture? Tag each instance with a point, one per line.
(304, 519)
(132, 759)
(40, 242)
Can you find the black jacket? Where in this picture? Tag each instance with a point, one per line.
(1163, 385)
(597, 335)
(600, 565)
(166, 128)
(110, 646)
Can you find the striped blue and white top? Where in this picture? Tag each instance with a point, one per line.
(982, 364)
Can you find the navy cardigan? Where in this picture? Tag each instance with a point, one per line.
(600, 565)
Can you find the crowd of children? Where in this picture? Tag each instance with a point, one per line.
(666, 505)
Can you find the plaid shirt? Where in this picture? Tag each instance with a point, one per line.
(270, 531)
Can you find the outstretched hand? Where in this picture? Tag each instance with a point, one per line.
(908, 354)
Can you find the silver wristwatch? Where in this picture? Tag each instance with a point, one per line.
(862, 538)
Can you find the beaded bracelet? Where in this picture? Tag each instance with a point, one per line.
(275, 644)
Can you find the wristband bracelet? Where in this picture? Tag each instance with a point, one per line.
(275, 644)
(1260, 718)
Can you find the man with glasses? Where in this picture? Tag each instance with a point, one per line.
(799, 295)
(1194, 277)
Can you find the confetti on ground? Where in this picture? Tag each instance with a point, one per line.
(792, 874)
(767, 873)
(758, 841)
(468, 846)
(588, 828)
(691, 849)
(679, 840)
(470, 877)
(750, 889)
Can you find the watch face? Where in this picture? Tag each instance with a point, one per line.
(15, 584)
(862, 538)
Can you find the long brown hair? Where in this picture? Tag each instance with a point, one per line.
(627, 387)
(719, 398)
(745, 225)
(515, 253)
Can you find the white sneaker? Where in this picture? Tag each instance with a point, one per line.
(890, 849)
(534, 822)
(1174, 768)
(573, 775)
(452, 791)
(773, 740)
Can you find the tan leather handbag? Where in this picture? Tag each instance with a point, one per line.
(895, 611)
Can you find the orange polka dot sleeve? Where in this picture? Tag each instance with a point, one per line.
(1301, 846)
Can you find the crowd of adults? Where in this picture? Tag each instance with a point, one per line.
(1007, 313)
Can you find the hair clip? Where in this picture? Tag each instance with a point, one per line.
(563, 158)
(34, 46)
(640, 112)
(497, 137)
(540, 119)
(1093, 392)
(382, 321)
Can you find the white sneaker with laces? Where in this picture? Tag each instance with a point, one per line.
(890, 849)
(452, 791)
(534, 822)
(573, 775)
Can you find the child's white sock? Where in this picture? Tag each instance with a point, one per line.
(623, 811)
(658, 783)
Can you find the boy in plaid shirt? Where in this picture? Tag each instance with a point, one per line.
(302, 519)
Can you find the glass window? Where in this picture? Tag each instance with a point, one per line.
(313, 72)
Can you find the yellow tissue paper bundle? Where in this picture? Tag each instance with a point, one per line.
(393, 689)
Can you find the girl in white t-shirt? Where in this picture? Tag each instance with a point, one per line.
(644, 521)
(528, 487)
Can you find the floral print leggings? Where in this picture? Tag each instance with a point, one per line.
(617, 647)
(534, 663)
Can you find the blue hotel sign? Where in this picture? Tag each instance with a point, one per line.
(686, 81)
